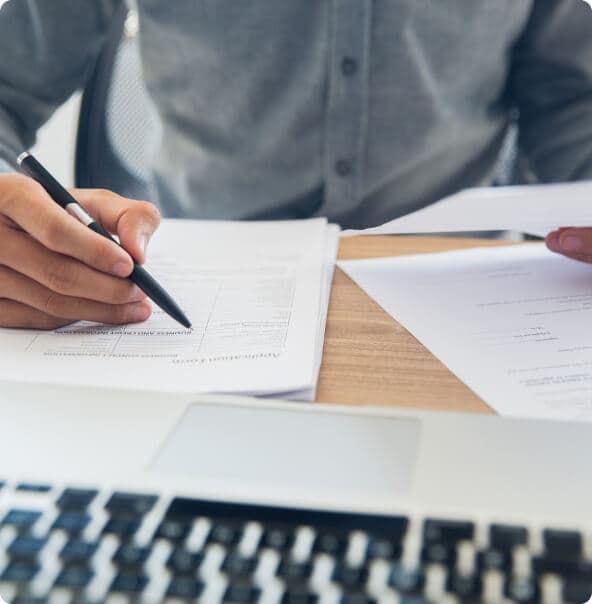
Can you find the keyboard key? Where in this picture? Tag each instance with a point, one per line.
(185, 587)
(437, 553)
(76, 499)
(292, 572)
(350, 577)
(384, 548)
(494, 559)
(241, 594)
(33, 488)
(20, 572)
(28, 600)
(129, 583)
(130, 556)
(26, 548)
(183, 562)
(122, 527)
(356, 599)
(406, 581)
(130, 504)
(173, 530)
(522, 591)
(280, 538)
(466, 587)
(78, 552)
(564, 567)
(71, 522)
(576, 590)
(447, 531)
(331, 543)
(299, 596)
(225, 534)
(505, 536)
(562, 544)
(21, 519)
(237, 566)
(74, 577)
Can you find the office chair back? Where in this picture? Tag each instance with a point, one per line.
(118, 128)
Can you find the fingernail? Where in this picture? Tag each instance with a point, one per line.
(552, 241)
(143, 242)
(571, 243)
(139, 312)
(122, 268)
(143, 239)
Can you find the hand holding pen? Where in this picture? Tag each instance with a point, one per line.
(54, 270)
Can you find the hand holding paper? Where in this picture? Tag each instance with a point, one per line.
(573, 243)
(561, 212)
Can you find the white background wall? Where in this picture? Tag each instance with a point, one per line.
(56, 142)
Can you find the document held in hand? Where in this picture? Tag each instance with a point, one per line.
(535, 209)
(257, 294)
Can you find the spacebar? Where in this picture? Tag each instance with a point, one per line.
(187, 508)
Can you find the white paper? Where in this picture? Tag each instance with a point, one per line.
(535, 209)
(513, 323)
(255, 293)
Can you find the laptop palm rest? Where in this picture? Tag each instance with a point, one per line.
(291, 449)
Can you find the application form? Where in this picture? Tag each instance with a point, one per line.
(257, 296)
(513, 323)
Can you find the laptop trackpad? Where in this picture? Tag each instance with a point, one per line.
(297, 450)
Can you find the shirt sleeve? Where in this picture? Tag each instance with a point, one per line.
(551, 86)
(47, 51)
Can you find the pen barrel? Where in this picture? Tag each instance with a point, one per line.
(31, 167)
(97, 228)
(148, 284)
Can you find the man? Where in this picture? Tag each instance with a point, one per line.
(356, 109)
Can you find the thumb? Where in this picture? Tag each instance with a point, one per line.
(134, 222)
(135, 228)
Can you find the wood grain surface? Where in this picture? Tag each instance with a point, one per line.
(369, 358)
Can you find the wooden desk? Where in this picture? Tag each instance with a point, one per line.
(369, 358)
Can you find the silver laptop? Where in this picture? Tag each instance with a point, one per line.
(120, 497)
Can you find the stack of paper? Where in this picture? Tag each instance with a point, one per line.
(256, 293)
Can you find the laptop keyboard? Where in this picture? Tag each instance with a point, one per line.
(85, 546)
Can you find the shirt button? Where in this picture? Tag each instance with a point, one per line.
(349, 66)
(343, 167)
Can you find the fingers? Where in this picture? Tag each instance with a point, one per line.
(574, 243)
(27, 204)
(54, 270)
(63, 274)
(133, 221)
(16, 315)
(33, 294)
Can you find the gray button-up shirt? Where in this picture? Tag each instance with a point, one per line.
(360, 110)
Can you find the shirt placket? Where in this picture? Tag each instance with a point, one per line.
(346, 112)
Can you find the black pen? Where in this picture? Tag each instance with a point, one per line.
(140, 276)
